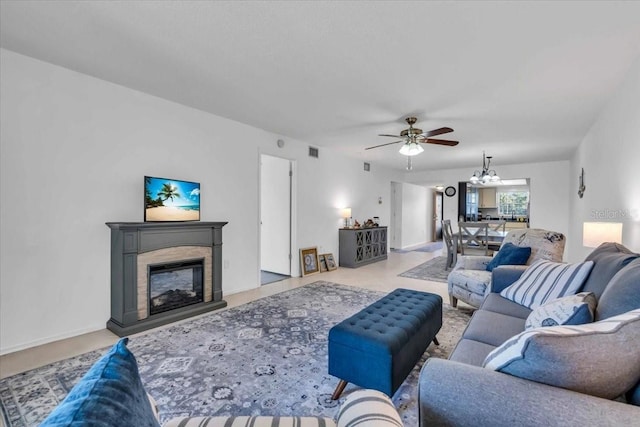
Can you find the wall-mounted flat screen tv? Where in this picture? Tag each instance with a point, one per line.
(171, 200)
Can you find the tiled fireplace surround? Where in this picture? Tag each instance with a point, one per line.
(135, 246)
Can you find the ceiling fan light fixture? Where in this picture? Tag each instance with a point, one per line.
(411, 149)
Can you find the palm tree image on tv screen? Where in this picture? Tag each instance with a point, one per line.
(171, 200)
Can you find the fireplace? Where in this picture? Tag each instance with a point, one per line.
(163, 272)
(175, 285)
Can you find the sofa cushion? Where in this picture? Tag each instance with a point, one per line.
(546, 280)
(492, 328)
(498, 304)
(622, 293)
(110, 394)
(510, 254)
(609, 258)
(544, 244)
(601, 358)
(471, 352)
(570, 310)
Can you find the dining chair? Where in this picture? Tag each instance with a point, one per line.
(447, 236)
(499, 226)
(473, 237)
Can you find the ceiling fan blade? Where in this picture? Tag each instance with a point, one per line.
(435, 132)
(382, 145)
(441, 142)
(393, 136)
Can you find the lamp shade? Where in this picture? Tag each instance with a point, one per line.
(596, 233)
(411, 149)
(346, 213)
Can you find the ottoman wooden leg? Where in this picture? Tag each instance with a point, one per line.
(435, 341)
(339, 389)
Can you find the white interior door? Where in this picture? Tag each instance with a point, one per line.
(437, 216)
(275, 214)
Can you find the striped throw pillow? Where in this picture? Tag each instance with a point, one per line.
(368, 407)
(545, 280)
(364, 407)
(252, 421)
(601, 358)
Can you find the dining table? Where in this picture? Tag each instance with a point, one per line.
(496, 236)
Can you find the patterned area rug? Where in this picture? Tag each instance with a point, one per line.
(431, 270)
(429, 247)
(267, 357)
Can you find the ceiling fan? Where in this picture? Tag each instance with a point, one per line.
(413, 136)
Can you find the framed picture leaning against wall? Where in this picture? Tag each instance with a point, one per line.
(309, 262)
(323, 263)
(331, 263)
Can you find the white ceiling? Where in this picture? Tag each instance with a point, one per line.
(523, 81)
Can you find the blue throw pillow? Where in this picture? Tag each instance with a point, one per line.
(110, 394)
(510, 254)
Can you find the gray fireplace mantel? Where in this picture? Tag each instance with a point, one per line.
(131, 239)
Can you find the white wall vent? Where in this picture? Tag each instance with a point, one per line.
(367, 166)
(313, 152)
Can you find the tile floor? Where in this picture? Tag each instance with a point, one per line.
(381, 276)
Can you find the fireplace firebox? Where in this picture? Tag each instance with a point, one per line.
(175, 285)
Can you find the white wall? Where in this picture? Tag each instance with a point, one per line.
(610, 156)
(73, 152)
(549, 189)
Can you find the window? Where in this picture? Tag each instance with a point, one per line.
(513, 203)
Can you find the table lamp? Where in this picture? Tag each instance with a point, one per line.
(346, 214)
(596, 233)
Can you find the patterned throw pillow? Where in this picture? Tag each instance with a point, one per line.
(544, 281)
(510, 254)
(601, 358)
(575, 309)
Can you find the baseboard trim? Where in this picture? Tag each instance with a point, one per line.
(48, 340)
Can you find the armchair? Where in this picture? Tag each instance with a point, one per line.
(469, 281)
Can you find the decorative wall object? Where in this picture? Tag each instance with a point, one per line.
(581, 186)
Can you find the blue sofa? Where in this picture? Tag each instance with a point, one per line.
(461, 392)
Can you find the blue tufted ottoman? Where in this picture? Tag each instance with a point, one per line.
(378, 346)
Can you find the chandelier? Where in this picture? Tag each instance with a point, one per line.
(487, 175)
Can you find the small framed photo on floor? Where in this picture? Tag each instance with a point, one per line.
(309, 262)
(323, 263)
(331, 263)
